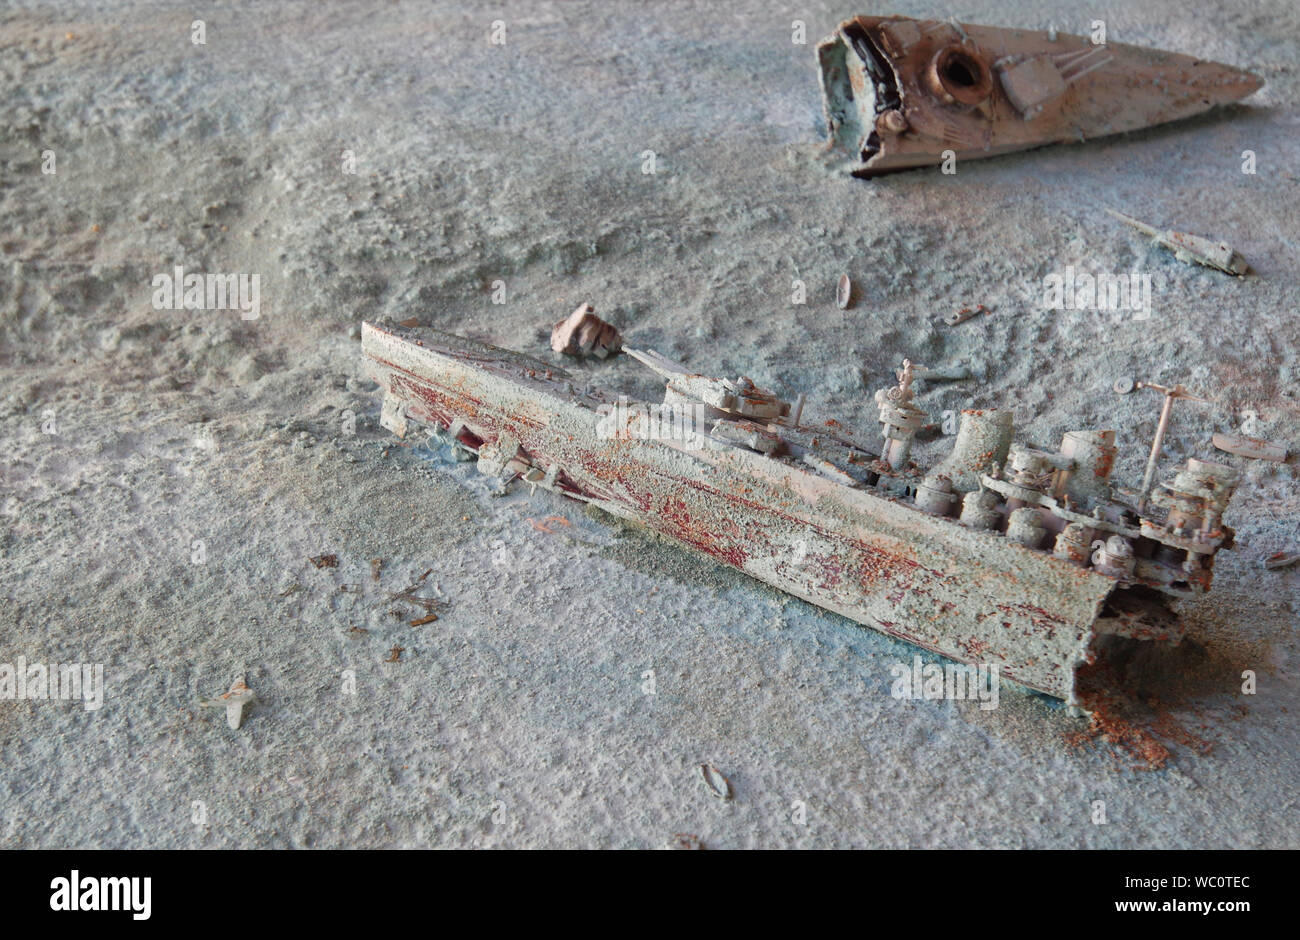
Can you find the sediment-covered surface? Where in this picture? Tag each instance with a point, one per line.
(167, 474)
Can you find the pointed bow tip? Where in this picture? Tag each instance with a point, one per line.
(1245, 79)
(1230, 83)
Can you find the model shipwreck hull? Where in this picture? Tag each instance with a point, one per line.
(968, 595)
(901, 93)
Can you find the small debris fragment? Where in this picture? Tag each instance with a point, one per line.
(376, 566)
(685, 840)
(1250, 447)
(1281, 560)
(945, 374)
(395, 654)
(844, 293)
(1191, 248)
(325, 561)
(961, 316)
(585, 334)
(421, 621)
(291, 589)
(234, 702)
(407, 594)
(409, 321)
(545, 524)
(718, 785)
(357, 630)
(1124, 384)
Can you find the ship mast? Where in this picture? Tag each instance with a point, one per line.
(1166, 409)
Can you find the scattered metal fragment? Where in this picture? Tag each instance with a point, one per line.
(716, 783)
(376, 566)
(1191, 248)
(407, 594)
(945, 374)
(234, 702)
(1251, 447)
(685, 841)
(421, 621)
(1124, 385)
(1008, 554)
(844, 292)
(1281, 560)
(585, 334)
(966, 313)
(358, 630)
(325, 561)
(395, 654)
(901, 93)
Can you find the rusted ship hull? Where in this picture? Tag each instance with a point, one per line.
(901, 93)
(965, 594)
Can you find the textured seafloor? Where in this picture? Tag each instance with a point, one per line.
(521, 717)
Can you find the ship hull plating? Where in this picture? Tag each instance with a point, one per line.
(968, 595)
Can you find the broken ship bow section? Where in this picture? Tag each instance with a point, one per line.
(800, 517)
(900, 92)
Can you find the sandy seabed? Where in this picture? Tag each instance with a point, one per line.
(165, 475)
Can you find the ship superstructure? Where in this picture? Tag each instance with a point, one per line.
(1002, 554)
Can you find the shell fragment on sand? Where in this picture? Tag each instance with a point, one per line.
(966, 313)
(715, 782)
(901, 93)
(844, 292)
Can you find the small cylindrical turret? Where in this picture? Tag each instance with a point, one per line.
(1072, 544)
(1114, 557)
(979, 510)
(1025, 527)
(935, 495)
